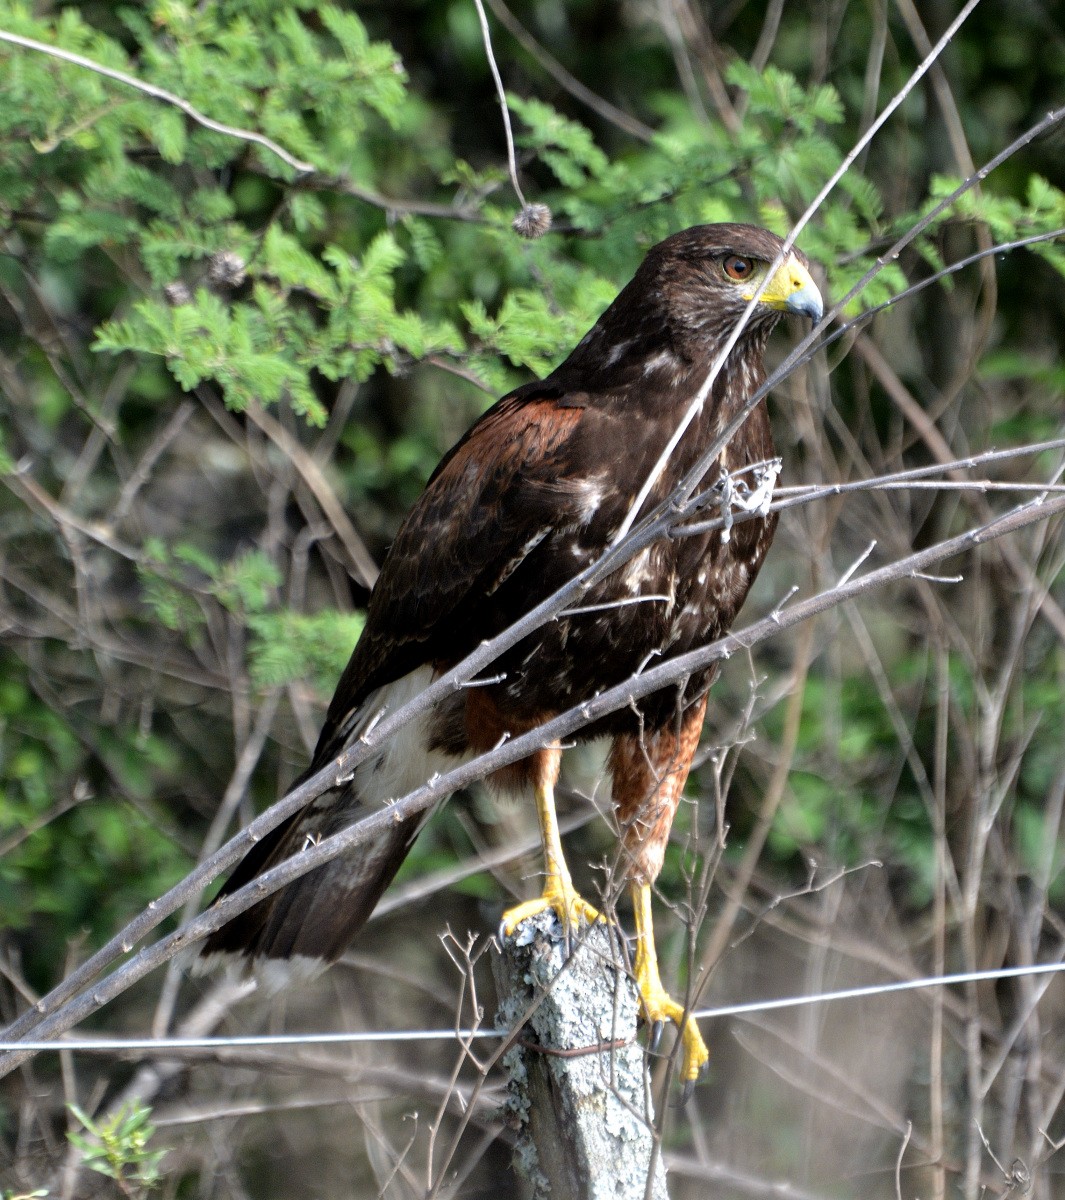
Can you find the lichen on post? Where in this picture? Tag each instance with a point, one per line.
(577, 1088)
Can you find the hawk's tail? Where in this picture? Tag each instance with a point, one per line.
(309, 923)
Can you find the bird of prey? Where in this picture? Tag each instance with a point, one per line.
(534, 492)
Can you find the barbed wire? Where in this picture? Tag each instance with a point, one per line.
(355, 1037)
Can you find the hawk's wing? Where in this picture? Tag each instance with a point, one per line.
(519, 476)
(514, 480)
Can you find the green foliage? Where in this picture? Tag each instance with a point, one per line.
(791, 118)
(205, 339)
(1010, 218)
(289, 645)
(118, 1146)
(171, 569)
(777, 96)
(524, 329)
(267, 350)
(179, 583)
(1015, 364)
(320, 93)
(84, 838)
(565, 146)
(172, 580)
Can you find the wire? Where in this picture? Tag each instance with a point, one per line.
(88, 1045)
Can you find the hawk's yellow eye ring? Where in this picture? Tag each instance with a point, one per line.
(738, 268)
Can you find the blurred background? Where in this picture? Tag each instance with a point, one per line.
(223, 383)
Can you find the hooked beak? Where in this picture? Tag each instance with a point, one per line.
(793, 290)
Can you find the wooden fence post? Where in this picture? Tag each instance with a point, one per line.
(577, 1088)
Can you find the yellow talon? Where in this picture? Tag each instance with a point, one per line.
(658, 1005)
(559, 892)
(563, 897)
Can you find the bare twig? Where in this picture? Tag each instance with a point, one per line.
(311, 474)
(534, 220)
(558, 72)
(71, 1002)
(898, 1161)
(158, 93)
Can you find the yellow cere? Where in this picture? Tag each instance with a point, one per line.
(792, 289)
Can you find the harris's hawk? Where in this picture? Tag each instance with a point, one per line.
(534, 492)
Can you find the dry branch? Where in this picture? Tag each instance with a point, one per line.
(74, 999)
(150, 89)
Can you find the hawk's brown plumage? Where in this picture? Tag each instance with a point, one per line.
(533, 493)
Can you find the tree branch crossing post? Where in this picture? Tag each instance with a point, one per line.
(578, 1089)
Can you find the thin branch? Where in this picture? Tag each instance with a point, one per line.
(308, 469)
(68, 1004)
(558, 72)
(512, 162)
(700, 468)
(390, 204)
(806, 348)
(159, 446)
(726, 1175)
(158, 93)
(308, 173)
(807, 495)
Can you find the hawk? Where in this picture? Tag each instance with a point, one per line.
(533, 493)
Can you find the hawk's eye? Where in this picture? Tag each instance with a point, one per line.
(738, 268)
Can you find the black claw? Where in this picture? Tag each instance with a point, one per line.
(656, 1036)
(688, 1090)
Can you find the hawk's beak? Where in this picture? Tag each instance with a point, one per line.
(792, 290)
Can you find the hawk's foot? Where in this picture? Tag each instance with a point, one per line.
(560, 895)
(658, 1007)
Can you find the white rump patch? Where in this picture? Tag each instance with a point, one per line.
(405, 761)
(273, 975)
(267, 975)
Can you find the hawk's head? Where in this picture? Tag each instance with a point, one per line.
(705, 277)
(687, 296)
